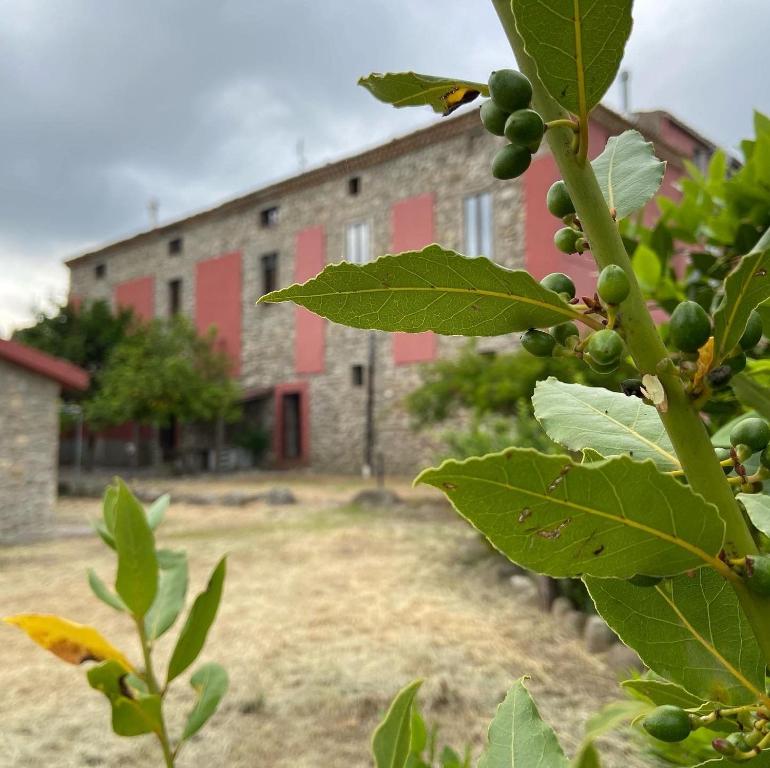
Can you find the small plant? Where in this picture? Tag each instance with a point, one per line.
(663, 523)
(150, 590)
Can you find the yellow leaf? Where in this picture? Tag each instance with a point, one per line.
(705, 361)
(75, 643)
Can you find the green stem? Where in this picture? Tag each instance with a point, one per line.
(573, 125)
(682, 422)
(153, 687)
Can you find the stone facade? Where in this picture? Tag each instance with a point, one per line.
(29, 425)
(448, 161)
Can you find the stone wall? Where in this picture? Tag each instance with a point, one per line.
(450, 167)
(29, 425)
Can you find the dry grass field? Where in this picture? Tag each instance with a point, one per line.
(328, 610)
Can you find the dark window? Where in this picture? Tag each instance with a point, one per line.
(357, 375)
(292, 426)
(100, 270)
(354, 185)
(268, 217)
(269, 273)
(174, 297)
(175, 246)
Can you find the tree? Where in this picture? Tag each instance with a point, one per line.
(162, 372)
(84, 335)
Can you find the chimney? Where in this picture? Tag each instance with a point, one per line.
(625, 94)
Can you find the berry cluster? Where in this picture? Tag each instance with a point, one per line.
(508, 114)
(603, 349)
(750, 724)
(568, 239)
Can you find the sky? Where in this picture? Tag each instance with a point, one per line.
(108, 104)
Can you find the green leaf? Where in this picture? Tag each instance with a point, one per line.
(752, 394)
(193, 634)
(157, 511)
(100, 589)
(587, 757)
(661, 692)
(109, 507)
(577, 47)
(430, 290)
(628, 173)
(554, 516)
(133, 711)
(210, 683)
(137, 578)
(745, 288)
(608, 718)
(409, 89)
(690, 630)
(172, 590)
(647, 268)
(391, 739)
(104, 534)
(608, 423)
(519, 738)
(757, 507)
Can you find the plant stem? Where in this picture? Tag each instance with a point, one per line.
(153, 687)
(681, 420)
(573, 125)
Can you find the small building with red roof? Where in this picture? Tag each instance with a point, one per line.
(31, 383)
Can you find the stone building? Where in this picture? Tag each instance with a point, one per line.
(30, 382)
(332, 397)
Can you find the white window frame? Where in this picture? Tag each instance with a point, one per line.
(357, 248)
(479, 225)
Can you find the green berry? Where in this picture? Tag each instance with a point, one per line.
(510, 162)
(565, 331)
(668, 723)
(538, 343)
(613, 285)
(493, 117)
(758, 574)
(689, 327)
(753, 432)
(753, 332)
(558, 200)
(738, 740)
(640, 580)
(722, 454)
(566, 239)
(525, 127)
(510, 90)
(736, 363)
(603, 368)
(559, 283)
(605, 347)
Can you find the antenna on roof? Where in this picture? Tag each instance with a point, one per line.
(301, 161)
(153, 206)
(625, 89)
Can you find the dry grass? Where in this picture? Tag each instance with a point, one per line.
(328, 610)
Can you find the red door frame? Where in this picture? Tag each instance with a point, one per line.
(292, 388)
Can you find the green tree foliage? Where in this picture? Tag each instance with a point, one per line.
(164, 371)
(84, 335)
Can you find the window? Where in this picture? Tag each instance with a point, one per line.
(269, 273)
(268, 217)
(174, 297)
(700, 157)
(357, 249)
(354, 185)
(357, 375)
(478, 225)
(100, 270)
(175, 246)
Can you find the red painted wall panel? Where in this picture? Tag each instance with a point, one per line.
(309, 329)
(412, 229)
(218, 297)
(139, 295)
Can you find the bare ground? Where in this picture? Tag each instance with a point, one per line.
(328, 610)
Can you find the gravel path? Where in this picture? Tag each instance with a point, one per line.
(328, 610)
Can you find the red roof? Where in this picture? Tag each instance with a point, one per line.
(65, 373)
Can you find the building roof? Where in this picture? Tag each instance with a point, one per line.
(63, 372)
(440, 130)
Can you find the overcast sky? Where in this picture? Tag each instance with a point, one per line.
(106, 104)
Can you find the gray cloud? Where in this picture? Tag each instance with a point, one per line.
(107, 104)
